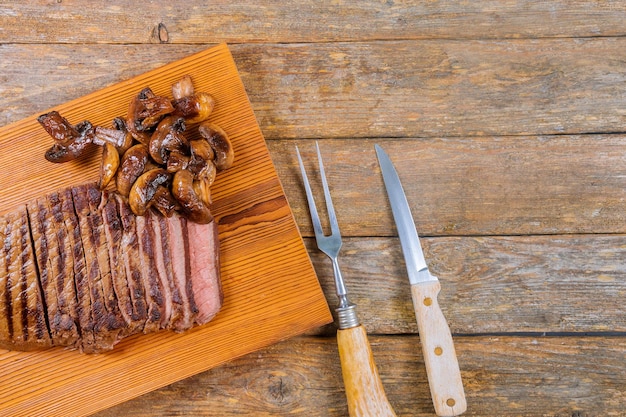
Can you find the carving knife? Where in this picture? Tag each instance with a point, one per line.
(442, 367)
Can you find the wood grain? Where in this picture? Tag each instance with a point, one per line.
(403, 88)
(270, 21)
(503, 376)
(494, 284)
(270, 288)
(471, 185)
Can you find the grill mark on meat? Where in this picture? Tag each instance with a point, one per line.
(6, 330)
(81, 280)
(130, 257)
(22, 288)
(36, 334)
(63, 278)
(105, 328)
(114, 321)
(8, 301)
(14, 287)
(113, 233)
(38, 282)
(46, 250)
(151, 282)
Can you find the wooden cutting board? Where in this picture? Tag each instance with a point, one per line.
(270, 288)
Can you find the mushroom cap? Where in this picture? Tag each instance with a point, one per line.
(195, 108)
(166, 138)
(110, 164)
(220, 143)
(191, 203)
(131, 167)
(141, 195)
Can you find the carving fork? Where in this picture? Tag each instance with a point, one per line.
(364, 389)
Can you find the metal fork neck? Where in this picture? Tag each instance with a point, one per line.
(346, 317)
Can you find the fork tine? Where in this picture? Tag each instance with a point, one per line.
(315, 219)
(334, 225)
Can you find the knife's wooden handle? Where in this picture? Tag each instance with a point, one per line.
(442, 366)
(364, 389)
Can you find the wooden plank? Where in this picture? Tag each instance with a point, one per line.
(270, 21)
(503, 376)
(270, 288)
(406, 88)
(470, 186)
(489, 284)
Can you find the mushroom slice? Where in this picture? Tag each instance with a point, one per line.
(192, 205)
(73, 145)
(110, 163)
(146, 110)
(120, 139)
(195, 108)
(166, 138)
(141, 195)
(58, 128)
(131, 167)
(202, 189)
(177, 160)
(182, 88)
(201, 163)
(200, 148)
(164, 201)
(217, 138)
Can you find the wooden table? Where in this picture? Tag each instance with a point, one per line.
(506, 123)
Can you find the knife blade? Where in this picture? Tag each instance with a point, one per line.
(442, 366)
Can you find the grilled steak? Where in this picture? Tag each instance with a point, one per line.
(78, 269)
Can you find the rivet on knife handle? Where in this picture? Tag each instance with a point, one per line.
(364, 389)
(442, 367)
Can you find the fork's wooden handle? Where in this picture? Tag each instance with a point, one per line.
(364, 389)
(442, 366)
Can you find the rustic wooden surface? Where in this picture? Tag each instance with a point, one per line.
(505, 119)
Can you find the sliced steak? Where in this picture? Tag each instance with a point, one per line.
(162, 263)
(64, 279)
(133, 318)
(29, 329)
(79, 269)
(150, 274)
(87, 342)
(205, 269)
(181, 271)
(131, 260)
(52, 265)
(106, 324)
(6, 324)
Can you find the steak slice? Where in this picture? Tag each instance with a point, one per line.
(181, 272)
(150, 274)
(162, 260)
(64, 279)
(28, 328)
(131, 260)
(132, 314)
(205, 269)
(106, 324)
(6, 325)
(53, 269)
(86, 342)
